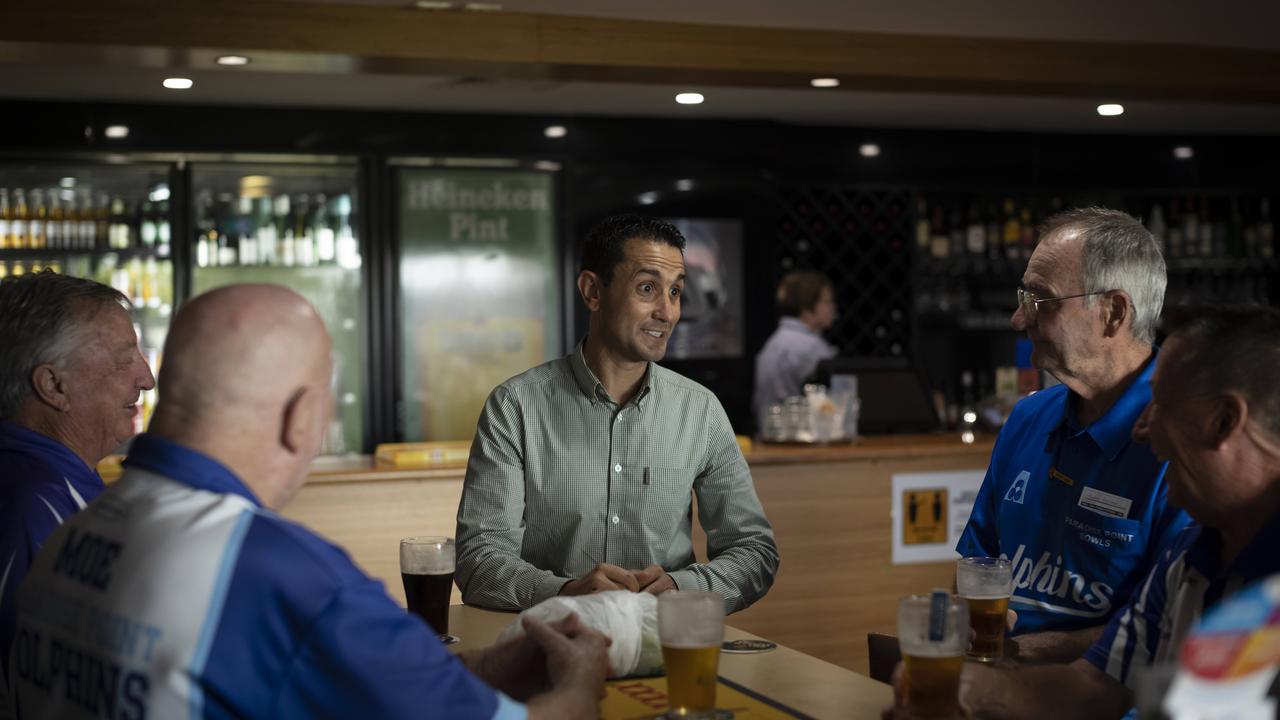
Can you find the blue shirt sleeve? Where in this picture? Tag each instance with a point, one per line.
(981, 537)
(26, 519)
(364, 656)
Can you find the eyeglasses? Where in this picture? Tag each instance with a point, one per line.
(1030, 304)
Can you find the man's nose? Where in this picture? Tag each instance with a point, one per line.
(1021, 319)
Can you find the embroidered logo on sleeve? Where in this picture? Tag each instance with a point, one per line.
(1018, 490)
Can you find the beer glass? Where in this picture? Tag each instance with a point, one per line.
(426, 567)
(933, 631)
(691, 628)
(986, 583)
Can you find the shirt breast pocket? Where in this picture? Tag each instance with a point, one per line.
(667, 492)
(1102, 546)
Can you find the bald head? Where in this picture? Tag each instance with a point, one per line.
(245, 379)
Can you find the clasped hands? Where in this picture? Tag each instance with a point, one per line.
(653, 580)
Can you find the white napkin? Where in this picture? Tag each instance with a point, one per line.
(629, 619)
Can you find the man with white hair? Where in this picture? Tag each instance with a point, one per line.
(179, 592)
(70, 374)
(1077, 506)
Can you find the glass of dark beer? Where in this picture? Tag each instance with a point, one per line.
(426, 567)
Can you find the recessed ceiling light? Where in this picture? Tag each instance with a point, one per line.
(647, 198)
(482, 6)
(555, 131)
(690, 98)
(116, 132)
(1110, 109)
(1184, 152)
(176, 83)
(546, 165)
(825, 82)
(232, 60)
(869, 150)
(684, 185)
(67, 182)
(432, 5)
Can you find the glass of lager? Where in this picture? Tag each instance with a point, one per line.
(691, 628)
(933, 631)
(986, 583)
(426, 567)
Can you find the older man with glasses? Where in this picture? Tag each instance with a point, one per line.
(1076, 505)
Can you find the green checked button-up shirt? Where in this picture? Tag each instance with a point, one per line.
(561, 478)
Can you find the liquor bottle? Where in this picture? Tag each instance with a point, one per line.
(1190, 230)
(118, 230)
(38, 214)
(304, 240)
(53, 221)
(1028, 227)
(250, 251)
(6, 214)
(348, 249)
(266, 231)
(994, 249)
(283, 230)
(18, 222)
(147, 230)
(976, 233)
(1266, 230)
(923, 232)
(940, 241)
(1206, 230)
(1158, 228)
(1012, 230)
(957, 234)
(326, 249)
(151, 283)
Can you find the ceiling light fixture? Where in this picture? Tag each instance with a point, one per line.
(555, 131)
(1184, 152)
(232, 60)
(684, 185)
(177, 83)
(1110, 109)
(869, 150)
(690, 98)
(647, 198)
(432, 5)
(67, 182)
(825, 82)
(482, 7)
(115, 132)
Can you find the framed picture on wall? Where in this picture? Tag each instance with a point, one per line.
(711, 322)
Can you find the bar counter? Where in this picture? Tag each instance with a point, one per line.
(830, 508)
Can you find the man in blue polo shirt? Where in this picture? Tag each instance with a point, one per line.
(180, 593)
(1215, 416)
(70, 374)
(1077, 507)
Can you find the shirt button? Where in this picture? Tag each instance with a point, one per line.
(615, 519)
(617, 468)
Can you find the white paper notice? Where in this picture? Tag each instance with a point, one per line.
(930, 511)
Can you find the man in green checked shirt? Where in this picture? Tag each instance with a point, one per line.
(583, 469)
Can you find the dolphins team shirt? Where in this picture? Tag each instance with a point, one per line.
(42, 483)
(177, 595)
(1080, 511)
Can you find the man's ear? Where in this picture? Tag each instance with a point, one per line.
(1230, 414)
(50, 387)
(298, 422)
(1116, 308)
(591, 289)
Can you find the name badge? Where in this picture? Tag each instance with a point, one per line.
(1104, 503)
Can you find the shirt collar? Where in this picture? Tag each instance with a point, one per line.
(1114, 430)
(1256, 560)
(182, 464)
(795, 323)
(18, 437)
(591, 386)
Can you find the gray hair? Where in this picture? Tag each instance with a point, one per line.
(41, 318)
(1119, 254)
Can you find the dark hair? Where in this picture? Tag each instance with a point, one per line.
(801, 290)
(603, 250)
(1231, 349)
(40, 314)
